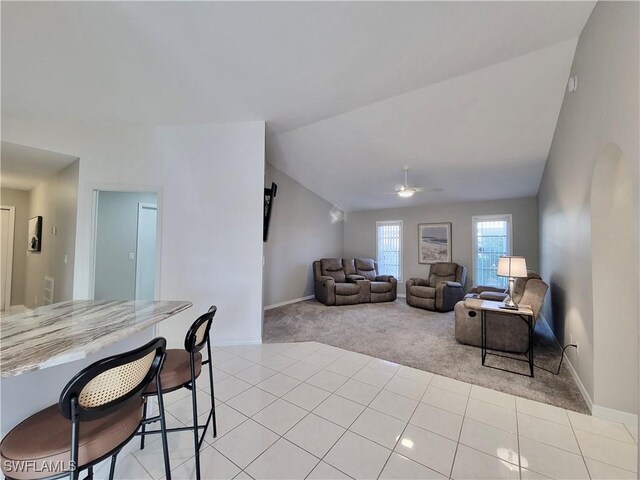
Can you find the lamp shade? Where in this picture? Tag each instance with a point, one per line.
(512, 267)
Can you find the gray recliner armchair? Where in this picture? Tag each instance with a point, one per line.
(503, 333)
(441, 291)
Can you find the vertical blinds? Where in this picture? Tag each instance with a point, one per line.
(492, 242)
(389, 242)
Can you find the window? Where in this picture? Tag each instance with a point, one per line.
(389, 248)
(491, 240)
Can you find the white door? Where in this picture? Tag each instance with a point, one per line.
(6, 254)
(146, 252)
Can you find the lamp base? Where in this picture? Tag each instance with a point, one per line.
(509, 304)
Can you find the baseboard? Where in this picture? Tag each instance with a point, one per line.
(402, 295)
(230, 342)
(289, 302)
(615, 415)
(574, 374)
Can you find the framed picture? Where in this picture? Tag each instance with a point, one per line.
(434, 242)
(35, 234)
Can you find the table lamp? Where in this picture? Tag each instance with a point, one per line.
(512, 267)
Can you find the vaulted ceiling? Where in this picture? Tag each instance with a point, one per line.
(467, 93)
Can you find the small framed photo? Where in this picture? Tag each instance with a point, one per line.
(434, 242)
(35, 234)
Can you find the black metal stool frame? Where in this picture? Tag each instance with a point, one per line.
(192, 346)
(72, 410)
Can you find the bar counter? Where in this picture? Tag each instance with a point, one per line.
(42, 349)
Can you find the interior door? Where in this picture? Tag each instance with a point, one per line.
(146, 252)
(6, 255)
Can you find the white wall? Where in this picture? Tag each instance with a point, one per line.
(211, 180)
(117, 232)
(602, 115)
(360, 232)
(19, 199)
(301, 231)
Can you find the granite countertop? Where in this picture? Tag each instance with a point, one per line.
(69, 331)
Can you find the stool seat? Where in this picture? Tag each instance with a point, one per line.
(176, 370)
(44, 439)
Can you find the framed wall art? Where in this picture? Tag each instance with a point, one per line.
(434, 242)
(35, 234)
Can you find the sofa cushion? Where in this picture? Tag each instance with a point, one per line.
(332, 267)
(366, 268)
(381, 287)
(347, 288)
(423, 292)
(442, 272)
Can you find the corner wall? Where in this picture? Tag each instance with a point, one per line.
(210, 178)
(601, 114)
(301, 231)
(360, 232)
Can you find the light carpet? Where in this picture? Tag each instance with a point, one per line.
(422, 339)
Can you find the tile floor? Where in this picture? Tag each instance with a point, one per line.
(313, 411)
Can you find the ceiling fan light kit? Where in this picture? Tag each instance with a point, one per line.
(405, 191)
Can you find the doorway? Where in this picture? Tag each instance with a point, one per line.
(7, 224)
(126, 245)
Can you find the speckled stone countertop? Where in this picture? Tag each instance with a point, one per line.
(69, 331)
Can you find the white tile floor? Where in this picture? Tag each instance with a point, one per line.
(313, 411)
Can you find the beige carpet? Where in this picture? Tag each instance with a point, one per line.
(425, 340)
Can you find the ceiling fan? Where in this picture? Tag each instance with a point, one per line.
(405, 190)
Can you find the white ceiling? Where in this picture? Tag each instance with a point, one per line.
(292, 64)
(25, 167)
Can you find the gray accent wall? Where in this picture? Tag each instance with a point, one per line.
(56, 201)
(588, 208)
(360, 231)
(300, 232)
(117, 233)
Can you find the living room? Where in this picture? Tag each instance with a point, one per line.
(387, 128)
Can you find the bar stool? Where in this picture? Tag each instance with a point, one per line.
(99, 411)
(181, 369)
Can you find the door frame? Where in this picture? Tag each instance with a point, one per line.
(12, 226)
(142, 206)
(95, 189)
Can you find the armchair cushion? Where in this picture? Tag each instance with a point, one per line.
(381, 287)
(366, 267)
(332, 267)
(347, 288)
(423, 292)
(442, 272)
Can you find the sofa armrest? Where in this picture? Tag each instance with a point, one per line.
(486, 288)
(418, 282)
(385, 278)
(325, 289)
(447, 295)
(494, 296)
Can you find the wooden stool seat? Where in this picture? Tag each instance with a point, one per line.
(176, 370)
(44, 437)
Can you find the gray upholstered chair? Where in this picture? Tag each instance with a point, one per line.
(383, 288)
(504, 332)
(441, 291)
(331, 286)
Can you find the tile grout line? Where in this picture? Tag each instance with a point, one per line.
(455, 454)
(393, 450)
